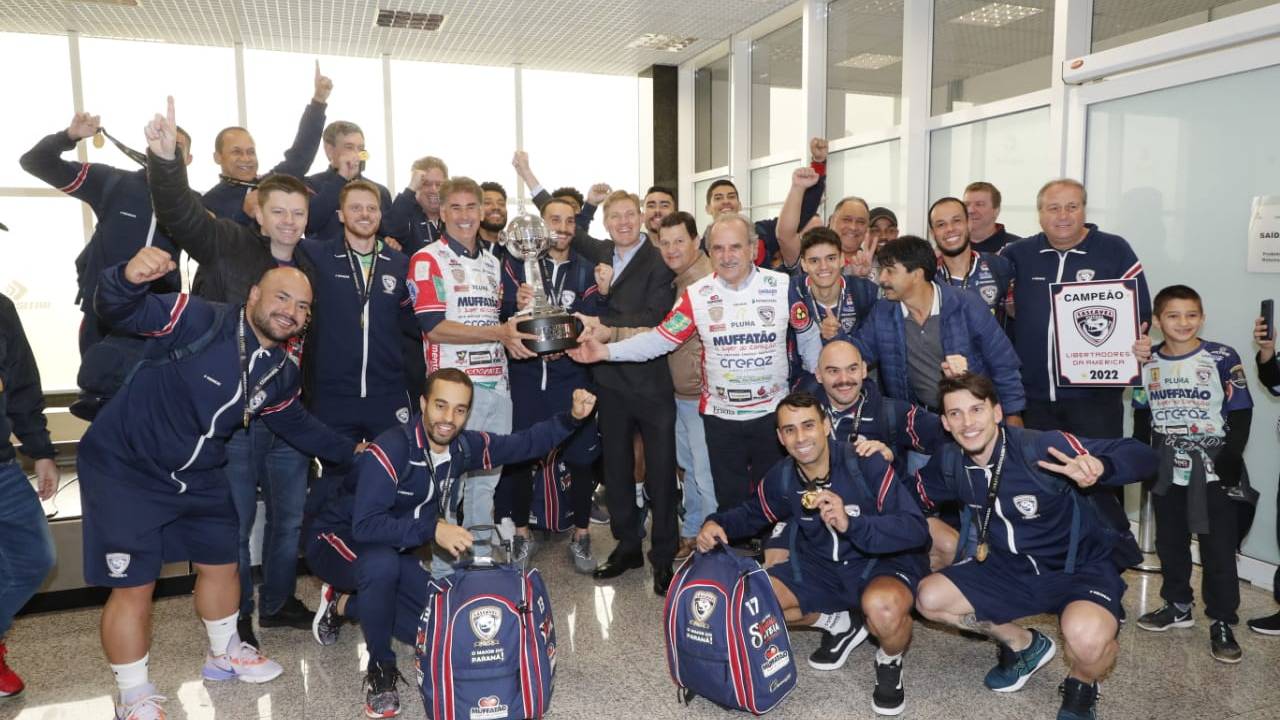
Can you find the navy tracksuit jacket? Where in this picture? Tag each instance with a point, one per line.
(322, 216)
(407, 222)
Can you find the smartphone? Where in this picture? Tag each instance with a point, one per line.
(1268, 312)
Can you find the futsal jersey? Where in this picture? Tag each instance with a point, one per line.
(1190, 396)
(447, 283)
(988, 275)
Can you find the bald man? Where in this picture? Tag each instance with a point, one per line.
(150, 466)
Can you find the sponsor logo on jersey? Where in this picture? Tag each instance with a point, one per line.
(117, 563)
(421, 271)
(1095, 323)
(459, 275)
(678, 322)
(744, 339)
(775, 659)
(705, 290)
(799, 316)
(716, 313)
(1027, 505)
(766, 315)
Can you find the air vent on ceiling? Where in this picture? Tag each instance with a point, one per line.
(410, 20)
(657, 41)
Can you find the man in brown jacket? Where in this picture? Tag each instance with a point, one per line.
(678, 242)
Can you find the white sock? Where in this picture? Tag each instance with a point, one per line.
(130, 676)
(883, 658)
(834, 623)
(221, 632)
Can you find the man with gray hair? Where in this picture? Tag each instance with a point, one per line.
(740, 313)
(343, 144)
(415, 213)
(850, 219)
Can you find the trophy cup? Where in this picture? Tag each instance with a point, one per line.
(526, 238)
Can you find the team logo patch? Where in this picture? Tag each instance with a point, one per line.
(716, 313)
(489, 707)
(1237, 377)
(799, 316)
(567, 297)
(485, 622)
(257, 400)
(702, 605)
(768, 280)
(1026, 504)
(459, 275)
(388, 284)
(676, 323)
(117, 563)
(1084, 275)
(402, 415)
(988, 293)
(852, 510)
(766, 314)
(1203, 375)
(1095, 323)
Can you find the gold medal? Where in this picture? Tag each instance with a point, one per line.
(809, 500)
(981, 554)
(364, 155)
(98, 140)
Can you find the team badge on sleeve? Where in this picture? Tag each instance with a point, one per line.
(799, 316)
(676, 323)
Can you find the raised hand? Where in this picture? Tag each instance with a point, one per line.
(598, 193)
(324, 86)
(583, 404)
(954, 365)
(83, 125)
(804, 177)
(829, 327)
(818, 149)
(1084, 470)
(1266, 343)
(162, 134)
(604, 278)
(151, 263)
(348, 165)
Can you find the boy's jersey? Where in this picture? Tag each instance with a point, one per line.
(1190, 396)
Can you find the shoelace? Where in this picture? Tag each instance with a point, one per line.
(153, 700)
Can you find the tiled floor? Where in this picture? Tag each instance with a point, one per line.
(611, 665)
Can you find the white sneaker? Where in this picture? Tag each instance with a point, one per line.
(146, 707)
(242, 662)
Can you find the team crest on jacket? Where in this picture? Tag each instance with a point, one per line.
(1027, 505)
(1095, 323)
(852, 510)
(1084, 275)
(388, 284)
(567, 297)
(117, 563)
(402, 415)
(989, 293)
(257, 400)
(485, 622)
(702, 605)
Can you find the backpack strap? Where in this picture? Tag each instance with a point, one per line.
(889, 411)
(952, 470)
(1030, 457)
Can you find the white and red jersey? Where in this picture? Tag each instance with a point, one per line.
(448, 284)
(744, 342)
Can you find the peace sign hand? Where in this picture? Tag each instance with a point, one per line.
(1084, 470)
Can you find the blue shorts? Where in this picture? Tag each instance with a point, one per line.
(134, 522)
(1007, 587)
(827, 586)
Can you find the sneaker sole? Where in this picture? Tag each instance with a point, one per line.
(371, 714)
(315, 620)
(1272, 633)
(1170, 626)
(1053, 650)
(1228, 661)
(838, 663)
(217, 674)
(889, 711)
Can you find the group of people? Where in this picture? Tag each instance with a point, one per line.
(879, 414)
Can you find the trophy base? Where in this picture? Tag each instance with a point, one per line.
(556, 332)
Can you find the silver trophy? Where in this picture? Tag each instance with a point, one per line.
(527, 238)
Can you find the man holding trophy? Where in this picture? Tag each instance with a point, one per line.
(543, 280)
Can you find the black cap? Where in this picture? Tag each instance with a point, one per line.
(882, 212)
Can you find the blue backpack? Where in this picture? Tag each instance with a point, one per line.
(726, 637)
(486, 644)
(550, 509)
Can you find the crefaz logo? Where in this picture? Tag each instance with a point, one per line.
(1095, 323)
(485, 622)
(746, 363)
(702, 605)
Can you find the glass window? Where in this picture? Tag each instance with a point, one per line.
(126, 83)
(37, 272)
(711, 115)
(45, 91)
(476, 141)
(864, 66)
(556, 139)
(1119, 22)
(776, 97)
(989, 51)
(873, 173)
(1012, 152)
(1162, 173)
(279, 85)
(698, 205)
(769, 188)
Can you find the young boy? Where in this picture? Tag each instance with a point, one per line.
(1194, 408)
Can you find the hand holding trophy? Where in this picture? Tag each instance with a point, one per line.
(527, 238)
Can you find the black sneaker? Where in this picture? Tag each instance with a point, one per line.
(888, 698)
(1079, 701)
(834, 648)
(1165, 618)
(326, 621)
(1269, 625)
(1222, 643)
(244, 628)
(292, 614)
(382, 699)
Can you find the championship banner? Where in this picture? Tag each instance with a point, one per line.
(1094, 326)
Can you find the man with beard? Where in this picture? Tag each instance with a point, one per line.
(237, 157)
(403, 495)
(777, 238)
(1042, 547)
(836, 302)
(415, 214)
(982, 200)
(150, 465)
(857, 532)
(924, 329)
(543, 386)
(882, 227)
(493, 212)
(345, 149)
(959, 263)
(659, 202)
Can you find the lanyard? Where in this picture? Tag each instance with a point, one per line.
(447, 487)
(857, 419)
(993, 488)
(244, 371)
(553, 286)
(809, 500)
(964, 281)
(362, 282)
(252, 184)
